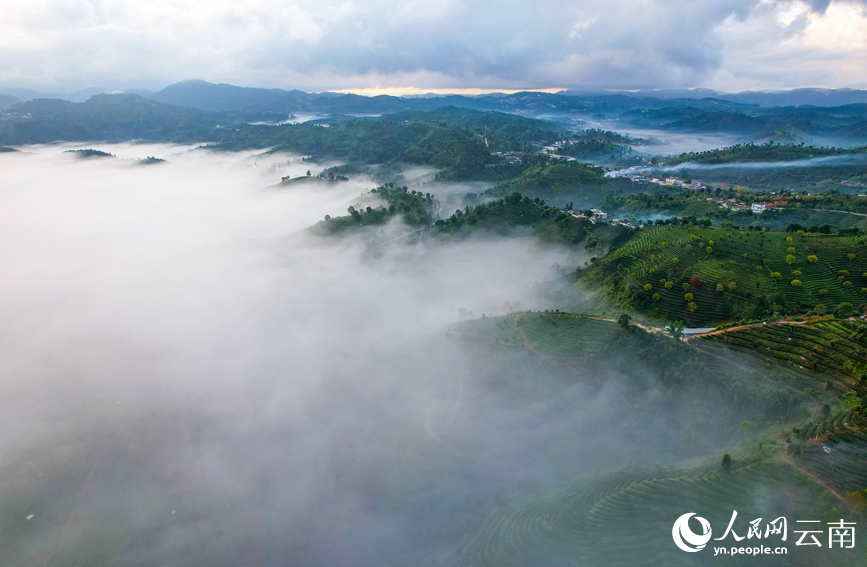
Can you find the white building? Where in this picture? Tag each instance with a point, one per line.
(757, 208)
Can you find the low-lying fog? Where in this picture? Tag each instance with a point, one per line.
(187, 378)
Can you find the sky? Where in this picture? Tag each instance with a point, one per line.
(407, 46)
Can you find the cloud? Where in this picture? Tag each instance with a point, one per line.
(343, 44)
(793, 45)
(189, 379)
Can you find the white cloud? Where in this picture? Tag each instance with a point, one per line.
(317, 45)
(783, 45)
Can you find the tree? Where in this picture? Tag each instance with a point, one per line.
(308, 173)
(624, 320)
(797, 283)
(719, 287)
(812, 258)
(732, 286)
(656, 296)
(618, 254)
(676, 330)
(695, 281)
(727, 463)
(648, 287)
(692, 306)
(776, 275)
(845, 309)
(790, 259)
(688, 296)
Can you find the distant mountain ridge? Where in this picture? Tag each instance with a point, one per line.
(222, 97)
(193, 110)
(225, 97)
(77, 96)
(8, 100)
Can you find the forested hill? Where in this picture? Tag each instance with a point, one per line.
(769, 152)
(460, 142)
(114, 117)
(450, 139)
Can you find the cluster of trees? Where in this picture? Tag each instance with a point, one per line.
(329, 176)
(513, 209)
(797, 227)
(89, 153)
(685, 221)
(415, 207)
(548, 223)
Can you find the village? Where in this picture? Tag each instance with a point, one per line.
(755, 207)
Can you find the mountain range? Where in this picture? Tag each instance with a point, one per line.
(188, 110)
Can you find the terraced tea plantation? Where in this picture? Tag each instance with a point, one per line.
(835, 350)
(625, 518)
(556, 336)
(824, 355)
(709, 276)
(800, 451)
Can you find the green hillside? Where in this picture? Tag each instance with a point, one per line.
(564, 182)
(625, 518)
(759, 153)
(548, 224)
(563, 340)
(778, 464)
(711, 276)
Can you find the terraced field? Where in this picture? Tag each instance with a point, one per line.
(824, 355)
(708, 276)
(558, 336)
(625, 518)
(798, 464)
(835, 350)
(835, 450)
(563, 340)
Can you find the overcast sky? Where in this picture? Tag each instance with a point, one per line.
(406, 45)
